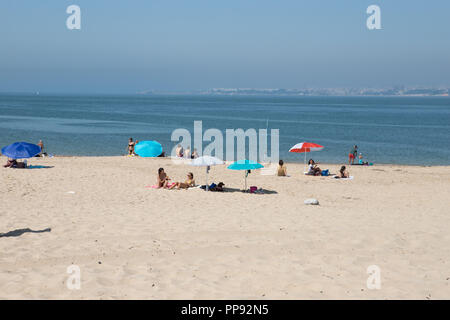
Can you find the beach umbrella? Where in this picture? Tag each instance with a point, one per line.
(148, 149)
(21, 150)
(304, 147)
(245, 165)
(206, 161)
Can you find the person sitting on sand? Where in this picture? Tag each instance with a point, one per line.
(313, 169)
(11, 163)
(361, 161)
(343, 173)
(190, 182)
(179, 151)
(194, 154)
(282, 169)
(162, 179)
(130, 147)
(187, 153)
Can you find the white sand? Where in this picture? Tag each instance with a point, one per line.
(191, 244)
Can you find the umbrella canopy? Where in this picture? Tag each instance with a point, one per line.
(304, 147)
(206, 161)
(245, 165)
(21, 150)
(148, 149)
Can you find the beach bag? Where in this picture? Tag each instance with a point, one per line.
(253, 189)
(325, 173)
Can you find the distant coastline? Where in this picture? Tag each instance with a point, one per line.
(399, 91)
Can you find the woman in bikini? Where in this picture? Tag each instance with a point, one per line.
(190, 182)
(343, 173)
(162, 179)
(130, 147)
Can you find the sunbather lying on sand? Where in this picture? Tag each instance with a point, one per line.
(162, 179)
(190, 182)
(11, 163)
(214, 187)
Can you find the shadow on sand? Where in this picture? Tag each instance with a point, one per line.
(39, 167)
(19, 232)
(264, 191)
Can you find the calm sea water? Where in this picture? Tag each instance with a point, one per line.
(404, 130)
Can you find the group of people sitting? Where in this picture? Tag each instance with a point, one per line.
(163, 181)
(313, 170)
(186, 153)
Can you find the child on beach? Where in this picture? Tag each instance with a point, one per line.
(361, 161)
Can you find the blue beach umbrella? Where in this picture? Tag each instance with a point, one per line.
(148, 149)
(21, 150)
(245, 165)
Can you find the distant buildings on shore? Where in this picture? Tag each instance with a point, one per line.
(394, 91)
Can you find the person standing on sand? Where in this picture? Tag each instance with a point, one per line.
(41, 145)
(352, 155)
(130, 147)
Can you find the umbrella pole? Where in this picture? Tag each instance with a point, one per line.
(305, 161)
(207, 187)
(245, 179)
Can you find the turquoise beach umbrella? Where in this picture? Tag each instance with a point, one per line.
(245, 165)
(148, 149)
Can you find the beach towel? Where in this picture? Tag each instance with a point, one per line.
(349, 178)
(156, 187)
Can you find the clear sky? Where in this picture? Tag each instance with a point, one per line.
(129, 46)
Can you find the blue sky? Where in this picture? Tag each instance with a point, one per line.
(129, 46)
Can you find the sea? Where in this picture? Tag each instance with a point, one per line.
(387, 130)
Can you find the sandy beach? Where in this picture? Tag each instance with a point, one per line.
(135, 242)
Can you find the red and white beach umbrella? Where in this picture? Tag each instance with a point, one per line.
(304, 147)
